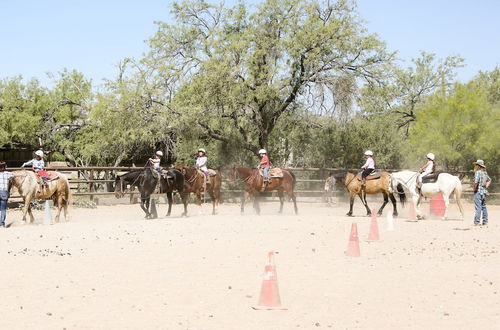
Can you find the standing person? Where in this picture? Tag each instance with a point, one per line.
(368, 167)
(5, 178)
(155, 161)
(38, 166)
(481, 183)
(202, 161)
(428, 168)
(264, 164)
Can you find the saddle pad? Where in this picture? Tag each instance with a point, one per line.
(210, 172)
(375, 175)
(274, 172)
(431, 178)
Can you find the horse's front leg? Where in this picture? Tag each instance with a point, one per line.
(169, 198)
(244, 196)
(351, 203)
(282, 200)
(184, 197)
(446, 199)
(145, 207)
(256, 205)
(362, 196)
(417, 208)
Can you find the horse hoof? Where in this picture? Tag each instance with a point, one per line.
(349, 214)
(394, 214)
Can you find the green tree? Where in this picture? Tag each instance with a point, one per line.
(458, 127)
(234, 75)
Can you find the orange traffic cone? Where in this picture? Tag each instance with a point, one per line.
(269, 293)
(373, 235)
(353, 246)
(411, 213)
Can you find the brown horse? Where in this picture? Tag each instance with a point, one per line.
(195, 183)
(375, 186)
(29, 187)
(254, 182)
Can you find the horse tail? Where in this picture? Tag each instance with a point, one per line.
(401, 193)
(458, 195)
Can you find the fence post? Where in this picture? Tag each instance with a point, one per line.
(91, 184)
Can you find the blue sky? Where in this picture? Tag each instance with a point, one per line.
(92, 36)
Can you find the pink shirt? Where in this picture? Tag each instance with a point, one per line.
(201, 161)
(370, 163)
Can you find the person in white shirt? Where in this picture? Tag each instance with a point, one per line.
(202, 161)
(427, 169)
(38, 166)
(156, 160)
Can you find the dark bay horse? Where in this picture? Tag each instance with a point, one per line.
(195, 183)
(375, 186)
(254, 182)
(146, 180)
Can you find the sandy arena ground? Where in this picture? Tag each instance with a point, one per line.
(110, 269)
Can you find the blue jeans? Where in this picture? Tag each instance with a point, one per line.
(480, 205)
(4, 197)
(266, 173)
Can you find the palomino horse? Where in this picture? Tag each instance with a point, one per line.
(146, 180)
(254, 182)
(406, 181)
(374, 186)
(195, 183)
(30, 188)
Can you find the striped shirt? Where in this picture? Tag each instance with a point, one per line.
(4, 180)
(481, 177)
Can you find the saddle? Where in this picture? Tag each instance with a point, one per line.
(373, 176)
(431, 178)
(274, 172)
(210, 172)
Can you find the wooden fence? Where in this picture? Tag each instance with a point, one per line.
(97, 181)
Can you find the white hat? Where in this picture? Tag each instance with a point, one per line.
(39, 153)
(159, 153)
(368, 153)
(430, 155)
(262, 151)
(480, 162)
(202, 150)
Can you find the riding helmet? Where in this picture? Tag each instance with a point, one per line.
(368, 153)
(431, 156)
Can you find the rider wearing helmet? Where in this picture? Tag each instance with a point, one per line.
(38, 166)
(155, 161)
(264, 164)
(202, 161)
(427, 169)
(368, 167)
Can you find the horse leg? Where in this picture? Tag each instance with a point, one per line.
(256, 205)
(169, 197)
(386, 200)
(154, 213)
(212, 197)
(294, 199)
(417, 208)
(446, 203)
(362, 196)
(59, 207)
(244, 196)
(184, 198)
(145, 207)
(393, 201)
(282, 200)
(351, 203)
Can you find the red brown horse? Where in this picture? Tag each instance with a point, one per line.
(195, 183)
(254, 182)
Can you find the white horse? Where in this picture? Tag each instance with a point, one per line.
(406, 181)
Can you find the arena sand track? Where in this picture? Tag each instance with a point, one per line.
(110, 269)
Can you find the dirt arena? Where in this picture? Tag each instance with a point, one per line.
(110, 269)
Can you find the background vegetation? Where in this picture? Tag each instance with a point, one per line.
(304, 79)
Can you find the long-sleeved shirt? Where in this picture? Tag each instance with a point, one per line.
(201, 161)
(370, 163)
(37, 164)
(155, 162)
